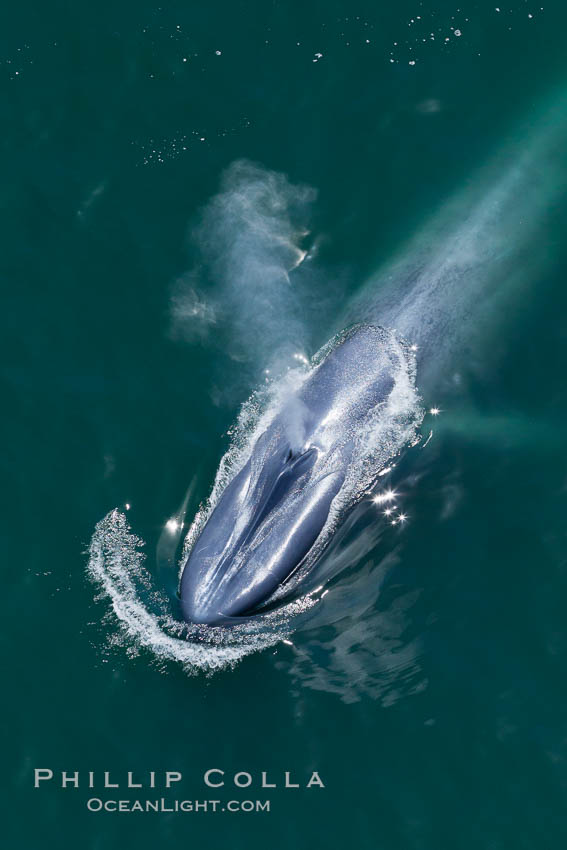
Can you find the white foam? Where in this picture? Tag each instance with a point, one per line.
(117, 567)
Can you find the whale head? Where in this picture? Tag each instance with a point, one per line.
(263, 526)
(271, 514)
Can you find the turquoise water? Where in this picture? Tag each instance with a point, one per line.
(427, 687)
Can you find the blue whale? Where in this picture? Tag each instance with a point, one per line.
(270, 516)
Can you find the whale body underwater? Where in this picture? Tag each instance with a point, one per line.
(272, 513)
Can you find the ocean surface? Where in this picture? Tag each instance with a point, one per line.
(195, 199)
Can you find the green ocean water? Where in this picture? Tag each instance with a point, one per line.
(433, 704)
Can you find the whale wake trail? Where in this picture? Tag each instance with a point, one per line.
(455, 281)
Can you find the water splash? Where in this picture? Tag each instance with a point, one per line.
(117, 566)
